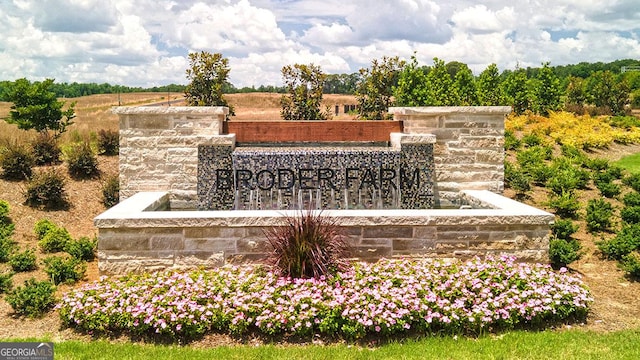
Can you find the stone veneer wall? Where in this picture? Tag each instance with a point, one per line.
(469, 150)
(136, 236)
(159, 148)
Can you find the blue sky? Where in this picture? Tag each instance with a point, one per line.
(146, 42)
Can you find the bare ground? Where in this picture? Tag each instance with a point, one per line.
(616, 307)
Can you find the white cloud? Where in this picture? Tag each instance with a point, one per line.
(146, 42)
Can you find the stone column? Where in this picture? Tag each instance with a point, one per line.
(159, 148)
(469, 149)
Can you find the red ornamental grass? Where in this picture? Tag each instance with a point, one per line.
(308, 245)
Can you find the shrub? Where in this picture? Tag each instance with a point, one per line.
(7, 247)
(597, 164)
(42, 227)
(511, 142)
(630, 263)
(630, 214)
(308, 245)
(4, 213)
(111, 191)
(573, 153)
(108, 142)
(46, 150)
(532, 139)
(617, 172)
(46, 191)
(565, 205)
(33, 299)
(55, 240)
(17, 162)
(563, 229)
(516, 179)
(62, 270)
(633, 181)
(631, 199)
(608, 189)
(6, 282)
(626, 241)
(567, 180)
(82, 249)
(83, 163)
(533, 156)
(563, 252)
(599, 213)
(23, 261)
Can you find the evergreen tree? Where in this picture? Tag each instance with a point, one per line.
(440, 85)
(412, 89)
(375, 89)
(304, 85)
(208, 74)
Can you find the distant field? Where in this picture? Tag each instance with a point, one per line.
(94, 111)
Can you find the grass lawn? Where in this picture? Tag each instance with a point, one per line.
(573, 344)
(630, 163)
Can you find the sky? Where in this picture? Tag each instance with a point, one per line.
(146, 42)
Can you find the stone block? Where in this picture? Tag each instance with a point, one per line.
(412, 245)
(390, 232)
(214, 232)
(211, 245)
(199, 259)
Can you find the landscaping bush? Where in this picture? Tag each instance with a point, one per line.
(55, 240)
(597, 164)
(517, 180)
(111, 191)
(630, 214)
(7, 248)
(633, 181)
(532, 139)
(108, 142)
(33, 299)
(565, 205)
(599, 213)
(567, 177)
(46, 191)
(608, 189)
(533, 156)
(6, 282)
(17, 161)
(564, 252)
(4, 213)
(625, 241)
(42, 227)
(23, 261)
(630, 263)
(82, 249)
(631, 199)
(308, 245)
(83, 163)
(46, 150)
(571, 152)
(511, 142)
(564, 228)
(381, 299)
(61, 270)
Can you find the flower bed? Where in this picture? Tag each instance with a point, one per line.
(388, 297)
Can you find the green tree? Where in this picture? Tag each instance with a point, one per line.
(304, 85)
(465, 87)
(575, 91)
(375, 89)
(547, 92)
(36, 107)
(515, 91)
(606, 92)
(440, 85)
(489, 93)
(208, 74)
(412, 89)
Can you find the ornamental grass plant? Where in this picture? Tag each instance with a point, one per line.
(308, 245)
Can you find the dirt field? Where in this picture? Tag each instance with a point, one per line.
(617, 304)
